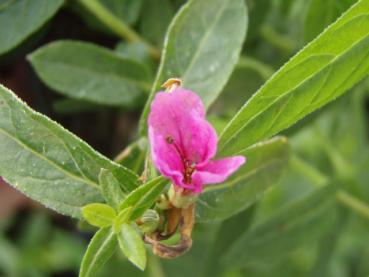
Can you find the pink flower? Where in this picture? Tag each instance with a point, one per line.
(183, 142)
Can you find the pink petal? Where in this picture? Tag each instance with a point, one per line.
(217, 171)
(179, 116)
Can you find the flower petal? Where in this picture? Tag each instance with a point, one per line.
(217, 171)
(179, 117)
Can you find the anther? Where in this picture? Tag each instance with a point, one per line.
(169, 140)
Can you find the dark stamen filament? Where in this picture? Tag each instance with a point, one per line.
(189, 168)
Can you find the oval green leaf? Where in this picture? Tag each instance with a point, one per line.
(202, 47)
(99, 215)
(21, 18)
(89, 72)
(102, 246)
(48, 163)
(132, 245)
(110, 188)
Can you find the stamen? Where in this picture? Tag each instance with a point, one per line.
(189, 167)
(169, 140)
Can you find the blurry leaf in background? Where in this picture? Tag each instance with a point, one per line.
(155, 18)
(102, 246)
(322, 71)
(48, 163)
(264, 167)
(202, 47)
(21, 18)
(228, 231)
(136, 51)
(89, 72)
(125, 10)
(8, 257)
(247, 77)
(258, 12)
(132, 246)
(134, 155)
(337, 142)
(321, 13)
(192, 263)
(37, 248)
(300, 223)
(68, 106)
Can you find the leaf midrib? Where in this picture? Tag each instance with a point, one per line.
(97, 253)
(204, 39)
(141, 84)
(51, 162)
(292, 89)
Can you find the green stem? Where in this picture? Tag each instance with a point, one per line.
(318, 179)
(311, 173)
(116, 25)
(155, 268)
(263, 69)
(353, 203)
(342, 167)
(277, 40)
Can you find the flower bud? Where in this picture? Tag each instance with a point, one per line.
(149, 221)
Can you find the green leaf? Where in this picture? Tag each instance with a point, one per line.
(265, 165)
(155, 19)
(48, 163)
(202, 47)
(300, 223)
(99, 215)
(137, 51)
(144, 196)
(321, 13)
(110, 188)
(9, 256)
(102, 246)
(133, 157)
(70, 106)
(258, 13)
(21, 18)
(132, 245)
(126, 10)
(323, 70)
(225, 235)
(89, 72)
(122, 217)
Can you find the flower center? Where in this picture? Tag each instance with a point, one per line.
(189, 167)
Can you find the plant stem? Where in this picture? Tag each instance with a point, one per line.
(116, 25)
(155, 268)
(263, 69)
(277, 40)
(353, 203)
(318, 179)
(342, 167)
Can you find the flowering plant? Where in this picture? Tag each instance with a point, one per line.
(184, 162)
